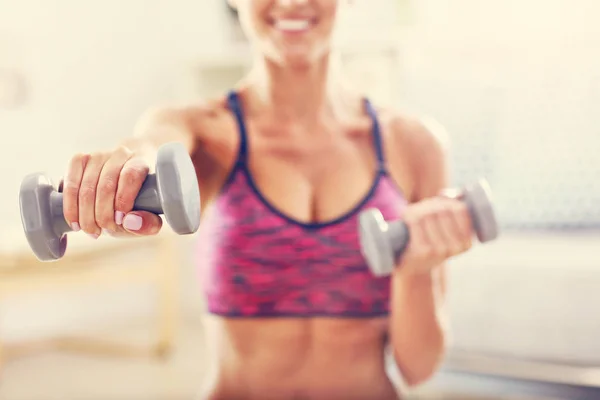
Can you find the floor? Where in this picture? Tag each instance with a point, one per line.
(70, 375)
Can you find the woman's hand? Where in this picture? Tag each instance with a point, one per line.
(440, 228)
(99, 191)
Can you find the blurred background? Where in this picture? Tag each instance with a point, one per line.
(515, 82)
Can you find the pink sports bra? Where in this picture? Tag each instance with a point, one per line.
(255, 261)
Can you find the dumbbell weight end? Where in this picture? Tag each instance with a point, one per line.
(478, 198)
(43, 221)
(381, 242)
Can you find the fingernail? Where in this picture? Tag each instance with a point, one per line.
(119, 217)
(132, 222)
(93, 235)
(108, 231)
(75, 226)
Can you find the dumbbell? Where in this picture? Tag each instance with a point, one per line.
(172, 190)
(382, 243)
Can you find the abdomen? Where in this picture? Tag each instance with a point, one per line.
(297, 358)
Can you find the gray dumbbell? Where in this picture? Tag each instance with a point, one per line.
(382, 243)
(172, 190)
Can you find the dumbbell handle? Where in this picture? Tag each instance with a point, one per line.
(148, 199)
(399, 235)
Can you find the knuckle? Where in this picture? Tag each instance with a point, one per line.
(426, 252)
(70, 182)
(123, 151)
(107, 186)
(414, 223)
(431, 219)
(446, 212)
(441, 214)
(70, 190)
(438, 203)
(133, 175)
(87, 193)
(80, 158)
(98, 155)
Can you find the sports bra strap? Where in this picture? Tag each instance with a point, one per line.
(234, 103)
(377, 137)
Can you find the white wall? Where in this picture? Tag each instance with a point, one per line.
(91, 68)
(517, 84)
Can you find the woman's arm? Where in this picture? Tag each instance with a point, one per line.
(418, 321)
(158, 126)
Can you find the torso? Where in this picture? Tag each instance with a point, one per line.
(317, 185)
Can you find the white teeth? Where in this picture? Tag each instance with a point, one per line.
(292, 24)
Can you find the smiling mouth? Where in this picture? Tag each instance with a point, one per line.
(293, 25)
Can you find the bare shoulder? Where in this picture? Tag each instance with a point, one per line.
(417, 148)
(197, 117)
(206, 127)
(422, 135)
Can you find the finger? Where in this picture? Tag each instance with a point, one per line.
(431, 230)
(422, 249)
(142, 223)
(464, 225)
(419, 245)
(70, 189)
(132, 176)
(87, 195)
(107, 189)
(448, 229)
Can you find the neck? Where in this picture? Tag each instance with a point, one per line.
(297, 93)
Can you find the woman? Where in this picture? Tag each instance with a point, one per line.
(285, 163)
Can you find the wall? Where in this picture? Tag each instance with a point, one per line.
(91, 68)
(517, 85)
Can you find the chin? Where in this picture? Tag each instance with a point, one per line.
(300, 59)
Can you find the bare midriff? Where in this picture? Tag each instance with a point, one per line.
(297, 359)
